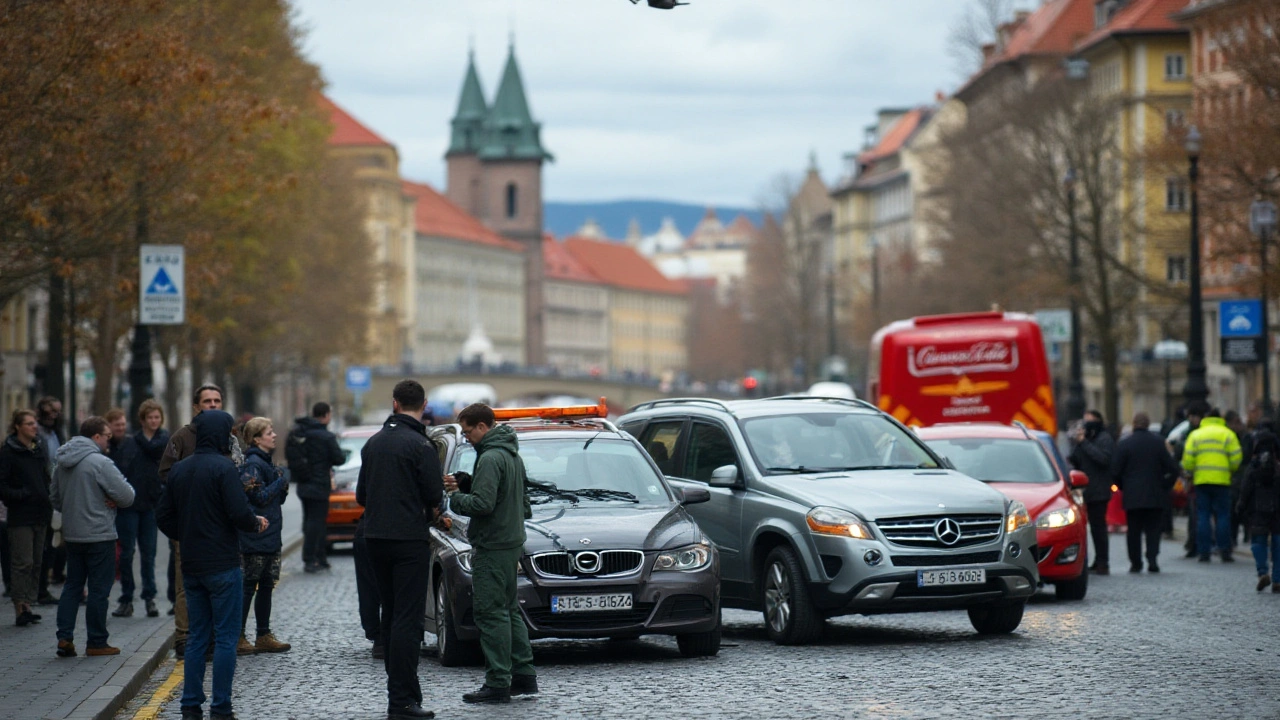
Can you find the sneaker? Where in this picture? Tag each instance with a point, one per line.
(488, 694)
(524, 685)
(244, 647)
(66, 648)
(124, 610)
(99, 650)
(152, 610)
(1264, 581)
(268, 643)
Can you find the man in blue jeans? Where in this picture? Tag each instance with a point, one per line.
(202, 507)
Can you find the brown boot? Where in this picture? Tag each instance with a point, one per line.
(99, 650)
(244, 647)
(269, 643)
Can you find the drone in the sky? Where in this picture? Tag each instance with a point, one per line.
(661, 4)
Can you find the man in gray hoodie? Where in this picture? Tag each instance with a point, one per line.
(87, 488)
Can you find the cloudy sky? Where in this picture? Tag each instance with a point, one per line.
(703, 104)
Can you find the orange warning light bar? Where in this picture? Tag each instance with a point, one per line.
(554, 413)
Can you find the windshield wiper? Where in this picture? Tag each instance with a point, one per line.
(921, 466)
(801, 469)
(604, 494)
(549, 490)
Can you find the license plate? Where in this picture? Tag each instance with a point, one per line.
(590, 603)
(954, 576)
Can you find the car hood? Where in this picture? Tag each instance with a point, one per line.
(876, 494)
(606, 526)
(1038, 497)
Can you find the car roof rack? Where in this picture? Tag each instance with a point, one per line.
(678, 401)
(847, 401)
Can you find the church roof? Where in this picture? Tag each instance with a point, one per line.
(559, 264)
(621, 266)
(468, 120)
(435, 216)
(510, 131)
(346, 129)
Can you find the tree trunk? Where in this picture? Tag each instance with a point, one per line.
(103, 354)
(54, 383)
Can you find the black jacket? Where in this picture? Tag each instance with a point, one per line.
(323, 454)
(204, 502)
(124, 452)
(144, 472)
(1092, 456)
(1144, 470)
(1259, 504)
(24, 483)
(400, 484)
(266, 487)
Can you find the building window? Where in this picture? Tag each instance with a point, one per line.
(512, 205)
(1174, 119)
(1175, 194)
(1175, 66)
(1175, 268)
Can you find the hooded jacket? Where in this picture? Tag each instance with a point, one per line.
(1092, 456)
(266, 488)
(323, 454)
(1212, 453)
(24, 483)
(84, 479)
(1259, 504)
(497, 504)
(204, 502)
(400, 485)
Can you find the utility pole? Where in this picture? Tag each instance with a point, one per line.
(140, 376)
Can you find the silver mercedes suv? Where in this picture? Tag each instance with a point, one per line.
(823, 507)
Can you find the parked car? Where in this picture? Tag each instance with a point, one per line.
(1018, 463)
(611, 550)
(344, 511)
(823, 507)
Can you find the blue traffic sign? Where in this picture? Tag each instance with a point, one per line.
(1240, 318)
(359, 378)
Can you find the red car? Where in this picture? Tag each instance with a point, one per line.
(1018, 464)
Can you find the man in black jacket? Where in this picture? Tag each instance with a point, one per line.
(1145, 472)
(202, 507)
(1092, 456)
(400, 487)
(312, 452)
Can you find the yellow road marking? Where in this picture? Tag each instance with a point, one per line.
(163, 694)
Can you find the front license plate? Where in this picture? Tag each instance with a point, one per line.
(955, 576)
(590, 603)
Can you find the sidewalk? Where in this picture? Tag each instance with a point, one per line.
(35, 684)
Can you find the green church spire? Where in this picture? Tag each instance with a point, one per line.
(468, 121)
(510, 131)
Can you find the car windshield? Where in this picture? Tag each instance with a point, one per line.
(583, 469)
(815, 442)
(351, 446)
(997, 459)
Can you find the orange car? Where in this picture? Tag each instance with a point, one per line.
(344, 511)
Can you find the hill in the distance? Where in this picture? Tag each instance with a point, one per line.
(564, 218)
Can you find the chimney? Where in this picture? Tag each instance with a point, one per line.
(988, 50)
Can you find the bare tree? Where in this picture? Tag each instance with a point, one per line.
(977, 27)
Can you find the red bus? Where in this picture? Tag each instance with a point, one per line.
(971, 367)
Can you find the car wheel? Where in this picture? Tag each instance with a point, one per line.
(451, 650)
(789, 616)
(996, 619)
(1073, 589)
(703, 644)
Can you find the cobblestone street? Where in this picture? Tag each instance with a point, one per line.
(1194, 641)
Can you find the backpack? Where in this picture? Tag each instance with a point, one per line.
(295, 454)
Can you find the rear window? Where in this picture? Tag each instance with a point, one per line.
(997, 459)
(584, 463)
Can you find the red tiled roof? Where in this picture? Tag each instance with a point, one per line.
(1052, 29)
(437, 217)
(1137, 17)
(346, 129)
(896, 137)
(559, 264)
(621, 266)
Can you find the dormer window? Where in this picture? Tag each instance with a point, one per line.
(1104, 10)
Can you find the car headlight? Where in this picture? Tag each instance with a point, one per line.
(1016, 517)
(829, 521)
(464, 561)
(1061, 517)
(693, 557)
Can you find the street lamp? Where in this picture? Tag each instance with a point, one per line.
(1196, 390)
(1075, 386)
(1262, 220)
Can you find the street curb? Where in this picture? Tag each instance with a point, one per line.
(125, 683)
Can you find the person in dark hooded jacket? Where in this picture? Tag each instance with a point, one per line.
(1092, 456)
(202, 507)
(266, 487)
(320, 453)
(24, 489)
(1259, 507)
(1145, 472)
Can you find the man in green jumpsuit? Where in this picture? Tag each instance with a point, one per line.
(497, 506)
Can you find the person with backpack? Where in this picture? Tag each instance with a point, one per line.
(1259, 508)
(312, 452)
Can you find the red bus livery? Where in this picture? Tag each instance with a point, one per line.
(973, 367)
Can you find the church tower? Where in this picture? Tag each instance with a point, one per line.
(464, 184)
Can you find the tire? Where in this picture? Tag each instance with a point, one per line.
(1073, 589)
(789, 615)
(451, 650)
(996, 619)
(703, 644)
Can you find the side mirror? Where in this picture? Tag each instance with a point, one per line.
(693, 495)
(724, 476)
(1079, 479)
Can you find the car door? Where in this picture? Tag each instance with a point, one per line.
(707, 446)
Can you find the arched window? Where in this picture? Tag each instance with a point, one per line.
(512, 206)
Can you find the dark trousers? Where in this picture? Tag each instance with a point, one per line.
(4, 554)
(138, 529)
(25, 550)
(401, 567)
(1213, 518)
(314, 515)
(367, 590)
(94, 564)
(1097, 514)
(1144, 522)
(261, 573)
